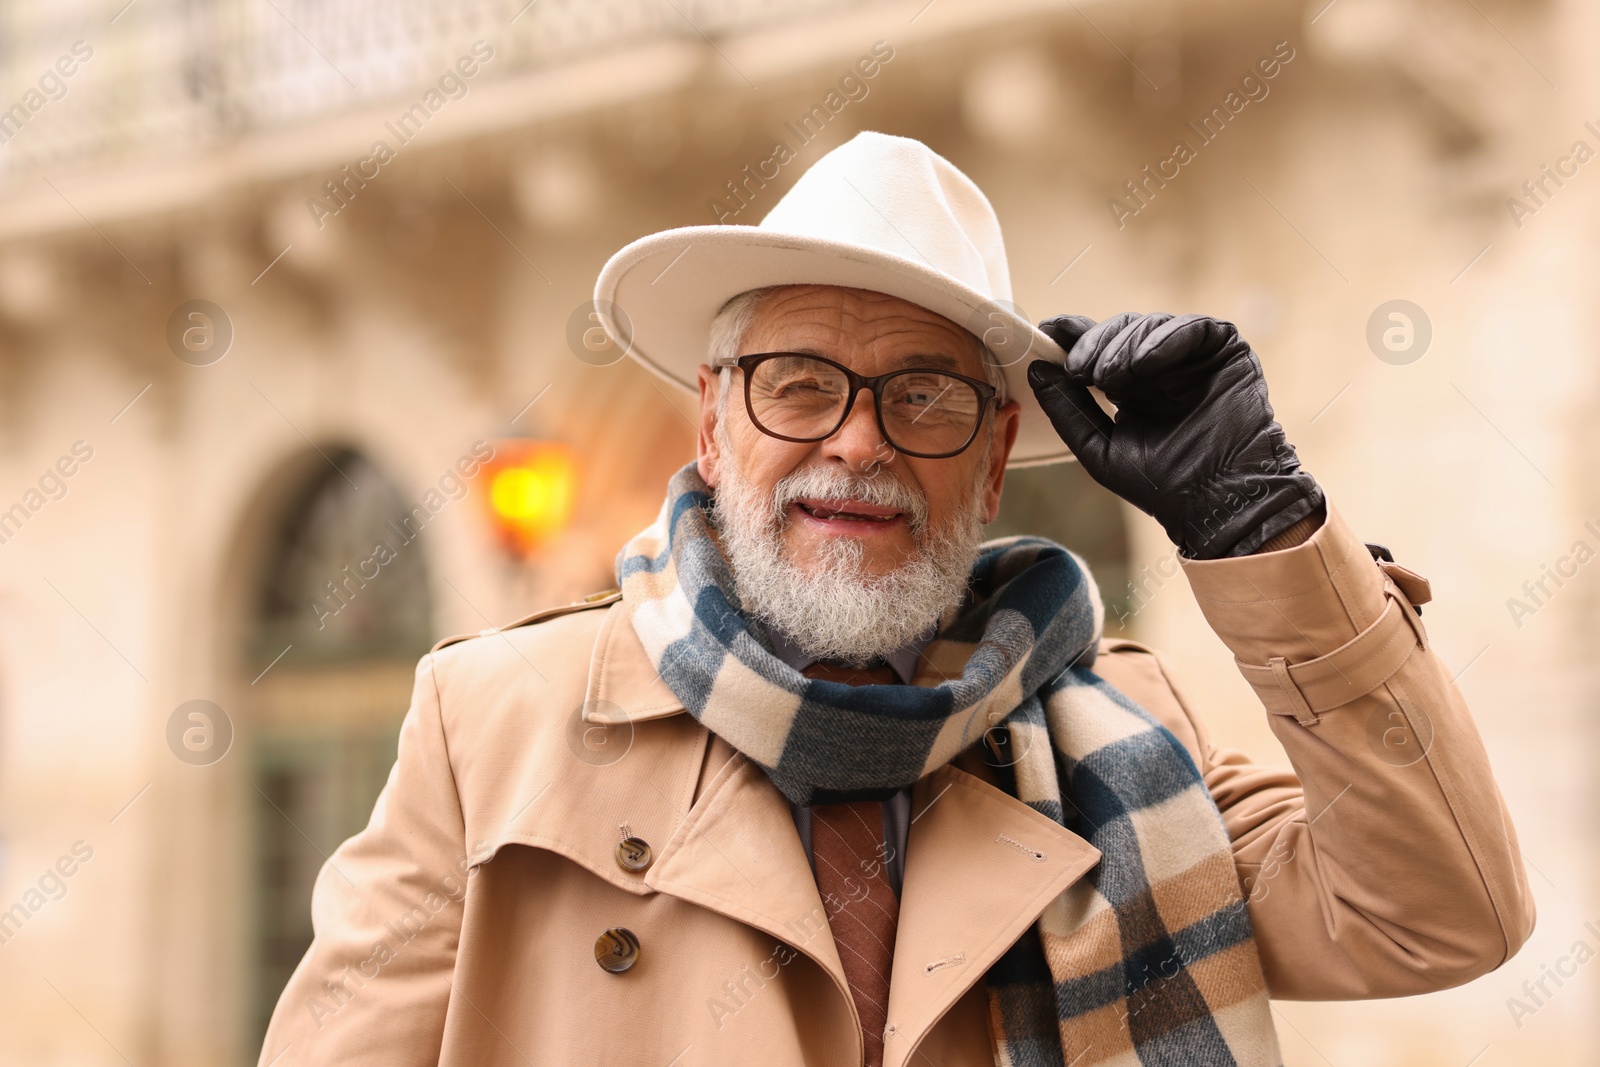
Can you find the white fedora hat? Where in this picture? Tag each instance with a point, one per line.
(879, 212)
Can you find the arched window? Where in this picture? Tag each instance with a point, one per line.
(344, 578)
(341, 614)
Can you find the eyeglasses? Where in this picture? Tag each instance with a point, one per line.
(931, 414)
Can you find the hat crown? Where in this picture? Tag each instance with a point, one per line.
(898, 196)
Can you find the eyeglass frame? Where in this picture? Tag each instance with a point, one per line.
(873, 383)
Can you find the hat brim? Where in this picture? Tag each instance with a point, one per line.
(657, 296)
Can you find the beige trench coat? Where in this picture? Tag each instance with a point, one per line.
(459, 927)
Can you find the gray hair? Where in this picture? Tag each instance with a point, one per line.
(732, 321)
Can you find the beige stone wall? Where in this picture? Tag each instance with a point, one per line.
(428, 313)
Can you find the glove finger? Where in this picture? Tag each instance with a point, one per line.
(1072, 411)
(1065, 330)
(1085, 356)
(1113, 366)
(1186, 346)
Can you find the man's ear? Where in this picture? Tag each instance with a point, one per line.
(1006, 422)
(707, 455)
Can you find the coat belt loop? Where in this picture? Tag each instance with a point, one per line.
(1392, 590)
(1302, 709)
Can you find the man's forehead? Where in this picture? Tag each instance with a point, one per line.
(819, 317)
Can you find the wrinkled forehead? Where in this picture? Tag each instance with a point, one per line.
(865, 330)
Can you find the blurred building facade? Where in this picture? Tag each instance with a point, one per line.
(276, 278)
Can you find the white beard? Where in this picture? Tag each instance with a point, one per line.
(836, 609)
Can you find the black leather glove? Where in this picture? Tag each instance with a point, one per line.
(1194, 442)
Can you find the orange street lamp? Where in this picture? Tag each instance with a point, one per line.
(532, 485)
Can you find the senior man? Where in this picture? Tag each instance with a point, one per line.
(831, 782)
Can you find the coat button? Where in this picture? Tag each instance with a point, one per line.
(616, 950)
(633, 854)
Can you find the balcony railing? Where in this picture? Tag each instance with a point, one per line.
(93, 84)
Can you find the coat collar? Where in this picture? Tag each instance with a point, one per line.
(623, 685)
(981, 865)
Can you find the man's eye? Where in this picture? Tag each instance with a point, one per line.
(801, 387)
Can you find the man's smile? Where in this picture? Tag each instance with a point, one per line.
(846, 515)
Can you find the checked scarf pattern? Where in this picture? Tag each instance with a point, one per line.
(1147, 960)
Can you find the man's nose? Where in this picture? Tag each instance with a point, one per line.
(859, 443)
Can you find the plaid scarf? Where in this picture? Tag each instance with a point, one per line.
(1148, 959)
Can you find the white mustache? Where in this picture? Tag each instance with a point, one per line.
(834, 484)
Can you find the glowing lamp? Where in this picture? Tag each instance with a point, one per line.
(531, 488)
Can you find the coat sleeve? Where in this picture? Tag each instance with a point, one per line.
(386, 910)
(1386, 864)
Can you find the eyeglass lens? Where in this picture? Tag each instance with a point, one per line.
(924, 411)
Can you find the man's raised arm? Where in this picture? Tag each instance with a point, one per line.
(1397, 871)
(1389, 866)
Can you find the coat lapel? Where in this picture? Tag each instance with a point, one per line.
(738, 853)
(981, 866)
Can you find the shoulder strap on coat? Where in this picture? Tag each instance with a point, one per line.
(602, 599)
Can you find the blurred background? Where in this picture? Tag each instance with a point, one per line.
(298, 374)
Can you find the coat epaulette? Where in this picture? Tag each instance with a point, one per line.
(602, 599)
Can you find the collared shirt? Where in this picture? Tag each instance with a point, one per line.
(897, 809)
